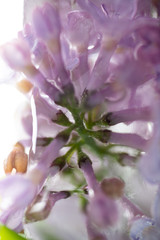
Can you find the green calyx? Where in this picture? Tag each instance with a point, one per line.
(6, 233)
(88, 131)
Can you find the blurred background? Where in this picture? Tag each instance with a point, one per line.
(11, 21)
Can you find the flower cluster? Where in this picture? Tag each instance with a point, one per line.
(91, 72)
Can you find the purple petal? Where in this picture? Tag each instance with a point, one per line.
(43, 107)
(29, 35)
(16, 54)
(43, 205)
(39, 24)
(156, 208)
(81, 28)
(93, 232)
(91, 8)
(52, 19)
(46, 22)
(139, 227)
(102, 210)
(149, 164)
(43, 60)
(16, 189)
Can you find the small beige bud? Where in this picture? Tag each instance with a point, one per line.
(24, 86)
(17, 160)
(21, 162)
(19, 146)
(113, 187)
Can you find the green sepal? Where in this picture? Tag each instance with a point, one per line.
(8, 234)
(82, 158)
(65, 134)
(61, 119)
(83, 202)
(59, 162)
(67, 98)
(102, 135)
(44, 141)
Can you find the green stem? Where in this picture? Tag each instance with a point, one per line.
(71, 151)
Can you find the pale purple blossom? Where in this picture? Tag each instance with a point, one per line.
(93, 116)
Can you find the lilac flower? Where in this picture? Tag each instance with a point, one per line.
(147, 228)
(101, 210)
(23, 63)
(22, 57)
(93, 232)
(43, 107)
(93, 66)
(76, 22)
(46, 22)
(41, 207)
(143, 226)
(13, 190)
(47, 27)
(31, 182)
(149, 163)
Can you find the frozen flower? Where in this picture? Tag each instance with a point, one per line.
(91, 72)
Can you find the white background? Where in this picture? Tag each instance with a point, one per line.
(11, 21)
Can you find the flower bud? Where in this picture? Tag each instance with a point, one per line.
(17, 160)
(113, 187)
(24, 86)
(19, 146)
